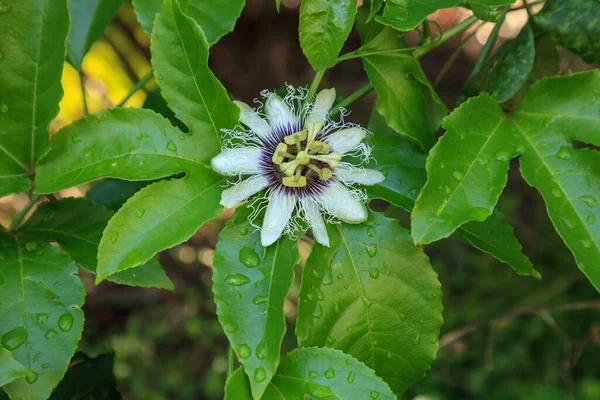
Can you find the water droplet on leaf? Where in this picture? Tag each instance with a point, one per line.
(237, 279)
(374, 394)
(330, 340)
(230, 327)
(29, 246)
(502, 156)
(45, 365)
(330, 373)
(318, 312)
(50, 333)
(586, 243)
(457, 175)
(416, 339)
(564, 153)
(374, 273)
(591, 219)
(589, 200)
(371, 250)
(336, 308)
(42, 318)
(140, 212)
(32, 378)
(556, 193)
(313, 374)
(14, 338)
(171, 146)
(259, 374)
(65, 322)
(351, 377)
(243, 351)
(75, 139)
(249, 258)
(114, 237)
(244, 231)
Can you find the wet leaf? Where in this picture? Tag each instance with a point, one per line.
(11, 369)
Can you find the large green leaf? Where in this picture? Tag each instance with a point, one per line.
(405, 15)
(77, 225)
(373, 295)
(32, 51)
(250, 286)
(324, 28)
(216, 17)
(404, 95)
(505, 73)
(41, 318)
(555, 112)
(89, 19)
(113, 193)
(404, 167)
(11, 369)
(316, 372)
(88, 378)
(574, 24)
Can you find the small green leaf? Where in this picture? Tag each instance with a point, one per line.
(250, 286)
(89, 19)
(216, 17)
(41, 314)
(89, 378)
(575, 24)
(77, 225)
(180, 60)
(487, 10)
(373, 295)
(278, 5)
(505, 73)
(405, 15)
(324, 28)
(404, 167)
(11, 369)
(318, 373)
(32, 50)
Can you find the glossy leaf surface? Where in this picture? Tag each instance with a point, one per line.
(373, 295)
(32, 51)
(318, 373)
(41, 317)
(89, 19)
(324, 27)
(250, 285)
(10, 369)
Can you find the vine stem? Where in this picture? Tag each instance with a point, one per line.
(363, 91)
(135, 88)
(230, 360)
(489, 44)
(21, 215)
(83, 94)
(315, 85)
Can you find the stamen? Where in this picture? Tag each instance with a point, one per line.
(313, 128)
(332, 159)
(318, 147)
(293, 181)
(289, 168)
(324, 173)
(296, 137)
(277, 157)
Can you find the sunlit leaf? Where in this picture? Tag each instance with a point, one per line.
(32, 51)
(375, 296)
(318, 373)
(89, 19)
(324, 27)
(250, 286)
(41, 318)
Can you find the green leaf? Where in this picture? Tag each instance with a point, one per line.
(113, 193)
(89, 19)
(216, 17)
(250, 287)
(318, 373)
(324, 28)
(278, 4)
(32, 51)
(487, 10)
(405, 15)
(41, 314)
(11, 369)
(373, 295)
(404, 167)
(555, 112)
(77, 225)
(180, 60)
(89, 378)
(575, 24)
(505, 73)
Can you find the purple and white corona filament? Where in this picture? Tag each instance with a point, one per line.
(297, 153)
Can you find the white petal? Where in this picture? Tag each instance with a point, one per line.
(241, 191)
(244, 160)
(322, 105)
(252, 120)
(362, 176)
(313, 217)
(278, 111)
(279, 211)
(346, 140)
(343, 204)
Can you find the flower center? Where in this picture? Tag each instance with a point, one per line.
(301, 154)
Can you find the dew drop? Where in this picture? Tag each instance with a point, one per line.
(348, 362)
(42, 318)
(568, 223)
(75, 139)
(374, 273)
(259, 374)
(4, 8)
(374, 394)
(316, 274)
(313, 374)
(371, 232)
(502, 156)
(336, 308)
(3, 108)
(447, 189)
(181, 137)
(318, 312)
(140, 212)
(237, 279)
(244, 231)
(330, 373)
(483, 160)
(171, 146)
(433, 340)
(351, 377)
(349, 329)
(320, 294)
(45, 365)
(346, 286)
(37, 357)
(327, 279)
(389, 355)
(416, 339)
(65, 322)
(14, 338)
(114, 237)
(564, 153)
(32, 378)
(249, 258)
(243, 351)
(29, 246)
(589, 200)
(119, 223)
(262, 350)
(591, 219)
(586, 243)
(556, 193)
(310, 296)
(457, 175)
(371, 250)
(340, 276)
(230, 327)
(330, 340)
(258, 300)
(50, 334)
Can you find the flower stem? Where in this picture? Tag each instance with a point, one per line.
(351, 99)
(315, 85)
(21, 215)
(83, 96)
(230, 360)
(135, 88)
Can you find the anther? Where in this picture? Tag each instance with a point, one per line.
(293, 181)
(296, 137)
(333, 159)
(324, 173)
(318, 147)
(277, 156)
(313, 128)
